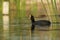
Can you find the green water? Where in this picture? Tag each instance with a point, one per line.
(20, 24)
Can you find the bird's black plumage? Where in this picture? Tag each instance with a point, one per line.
(41, 23)
(32, 21)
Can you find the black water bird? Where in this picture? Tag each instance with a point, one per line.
(41, 23)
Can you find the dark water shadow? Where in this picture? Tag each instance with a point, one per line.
(41, 23)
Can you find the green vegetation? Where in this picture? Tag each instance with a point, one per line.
(20, 17)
